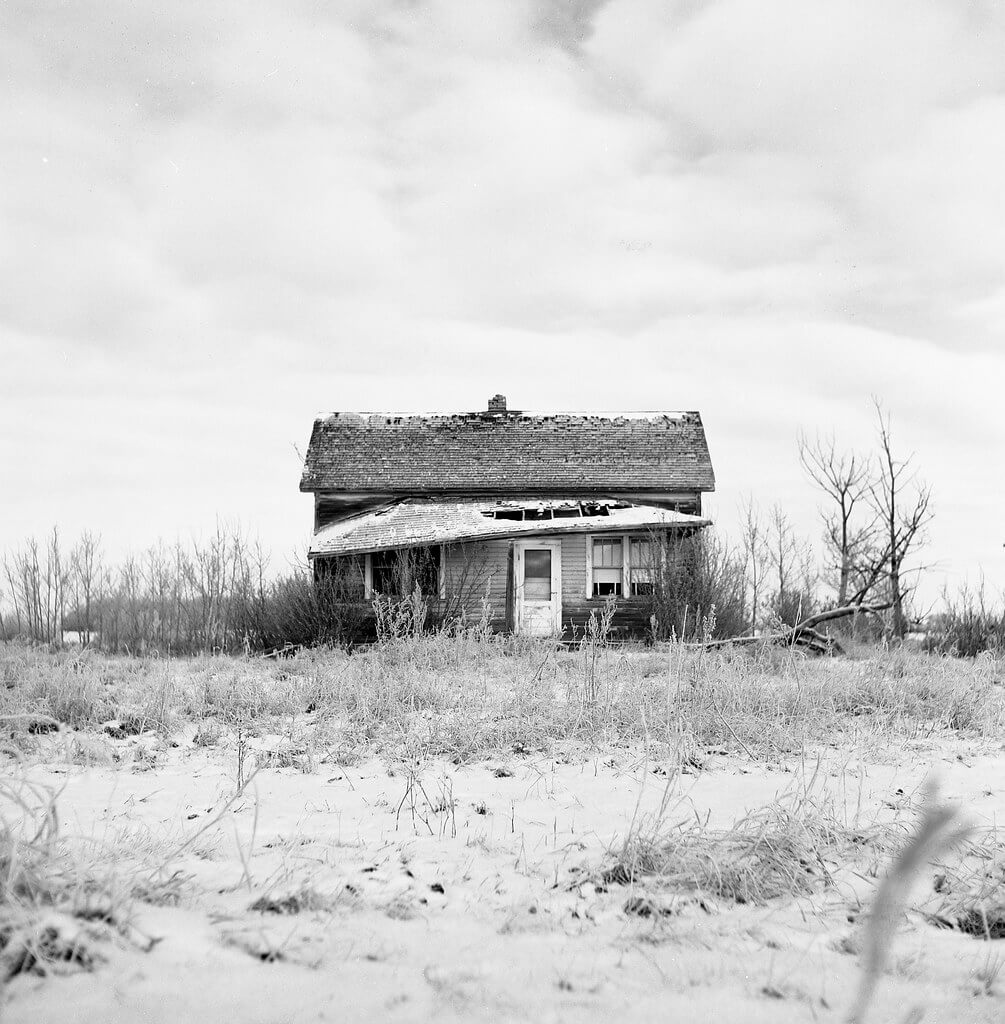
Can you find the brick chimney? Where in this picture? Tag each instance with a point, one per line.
(497, 404)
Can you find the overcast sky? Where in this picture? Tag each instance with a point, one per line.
(217, 219)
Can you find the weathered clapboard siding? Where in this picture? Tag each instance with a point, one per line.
(632, 615)
(476, 572)
(483, 571)
(573, 570)
(631, 618)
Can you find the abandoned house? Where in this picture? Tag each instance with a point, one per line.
(533, 520)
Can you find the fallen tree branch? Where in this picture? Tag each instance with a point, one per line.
(840, 613)
(803, 634)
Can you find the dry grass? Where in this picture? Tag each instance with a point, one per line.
(473, 696)
(793, 847)
(57, 907)
(968, 893)
(64, 903)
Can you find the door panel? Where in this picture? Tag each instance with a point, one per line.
(538, 587)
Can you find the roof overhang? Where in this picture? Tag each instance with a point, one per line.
(418, 523)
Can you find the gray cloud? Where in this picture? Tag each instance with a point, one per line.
(217, 219)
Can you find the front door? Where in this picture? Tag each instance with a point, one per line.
(537, 570)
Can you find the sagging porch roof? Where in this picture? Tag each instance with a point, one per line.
(418, 522)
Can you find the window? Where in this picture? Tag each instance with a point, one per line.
(342, 577)
(537, 574)
(621, 565)
(641, 566)
(608, 563)
(398, 573)
(383, 570)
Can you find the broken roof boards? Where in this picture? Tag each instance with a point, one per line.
(418, 523)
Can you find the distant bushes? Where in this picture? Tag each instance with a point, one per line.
(219, 595)
(968, 625)
(213, 595)
(704, 589)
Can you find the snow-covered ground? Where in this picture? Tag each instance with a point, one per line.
(397, 892)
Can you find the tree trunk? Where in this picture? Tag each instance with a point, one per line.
(899, 621)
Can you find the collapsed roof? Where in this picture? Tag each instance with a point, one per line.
(420, 522)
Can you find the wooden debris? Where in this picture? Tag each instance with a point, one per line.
(805, 634)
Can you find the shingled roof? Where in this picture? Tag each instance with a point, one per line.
(502, 452)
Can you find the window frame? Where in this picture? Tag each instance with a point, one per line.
(439, 558)
(649, 570)
(626, 565)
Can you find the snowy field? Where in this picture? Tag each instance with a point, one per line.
(314, 840)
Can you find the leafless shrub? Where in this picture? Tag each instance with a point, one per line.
(307, 608)
(400, 619)
(595, 641)
(696, 580)
(968, 625)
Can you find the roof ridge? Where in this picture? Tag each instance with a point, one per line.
(514, 413)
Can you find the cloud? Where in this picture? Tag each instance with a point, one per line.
(218, 219)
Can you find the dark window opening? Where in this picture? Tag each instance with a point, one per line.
(383, 570)
(398, 573)
(342, 576)
(545, 510)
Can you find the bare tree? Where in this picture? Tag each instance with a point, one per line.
(849, 537)
(85, 574)
(37, 579)
(754, 546)
(902, 505)
(57, 574)
(11, 572)
(782, 553)
(791, 560)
